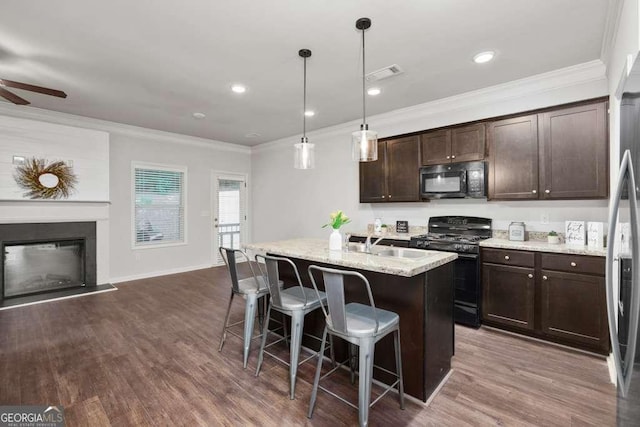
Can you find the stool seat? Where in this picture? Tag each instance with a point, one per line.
(296, 298)
(248, 286)
(361, 321)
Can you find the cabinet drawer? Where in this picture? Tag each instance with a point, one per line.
(508, 257)
(574, 263)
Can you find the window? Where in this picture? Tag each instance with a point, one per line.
(159, 205)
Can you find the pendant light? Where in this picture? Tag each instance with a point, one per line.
(365, 141)
(304, 155)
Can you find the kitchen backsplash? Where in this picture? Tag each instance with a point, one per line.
(535, 236)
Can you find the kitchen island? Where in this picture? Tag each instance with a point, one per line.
(419, 289)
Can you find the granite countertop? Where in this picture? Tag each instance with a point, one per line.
(542, 246)
(318, 250)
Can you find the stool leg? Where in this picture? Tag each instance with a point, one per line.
(297, 325)
(249, 315)
(265, 332)
(396, 344)
(226, 321)
(316, 381)
(284, 329)
(331, 352)
(366, 373)
(352, 362)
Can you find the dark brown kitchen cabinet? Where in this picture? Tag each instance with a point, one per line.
(394, 177)
(458, 144)
(574, 152)
(513, 158)
(508, 295)
(556, 297)
(561, 153)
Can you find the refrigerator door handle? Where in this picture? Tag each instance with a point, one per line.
(624, 371)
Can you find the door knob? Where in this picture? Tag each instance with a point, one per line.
(545, 278)
(530, 276)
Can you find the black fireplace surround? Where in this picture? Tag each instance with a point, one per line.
(51, 232)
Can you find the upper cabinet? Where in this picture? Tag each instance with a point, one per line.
(574, 153)
(394, 177)
(458, 144)
(557, 154)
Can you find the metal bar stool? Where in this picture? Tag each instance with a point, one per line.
(361, 325)
(297, 302)
(251, 289)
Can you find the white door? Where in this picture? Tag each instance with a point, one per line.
(229, 213)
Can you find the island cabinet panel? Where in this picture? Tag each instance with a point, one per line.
(508, 295)
(373, 180)
(556, 297)
(513, 158)
(456, 144)
(574, 152)
(425, 305)
(394, 177)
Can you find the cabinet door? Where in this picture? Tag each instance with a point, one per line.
(436, 147)
(508, 295)
(467, 143)
(513, 158)
(403, 169)
(574, 153)
(373, 181)
(574, 307)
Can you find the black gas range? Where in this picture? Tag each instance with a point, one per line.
(462, 235)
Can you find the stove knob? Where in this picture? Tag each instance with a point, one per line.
(457, 247)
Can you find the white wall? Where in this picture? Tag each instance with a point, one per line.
(290, 203)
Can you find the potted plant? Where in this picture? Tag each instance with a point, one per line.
(337, 220)
(553, 238)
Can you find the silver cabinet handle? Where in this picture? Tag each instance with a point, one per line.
(448, 157)
(383, 197)
(530, 276)
(453, 157)
(547, 191)
(534, 191)
(506, 257)
(389, 195)
(545, 278)
(573, 264)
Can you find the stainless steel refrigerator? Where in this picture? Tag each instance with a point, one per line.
(623, 262)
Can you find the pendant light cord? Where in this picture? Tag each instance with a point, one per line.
(304, 104)
(364, 110)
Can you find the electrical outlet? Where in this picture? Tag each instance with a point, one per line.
(544, 218)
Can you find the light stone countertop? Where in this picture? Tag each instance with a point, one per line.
(318, 250)
(541, 246)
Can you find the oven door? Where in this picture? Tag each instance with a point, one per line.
(466, 280)
(440, 182)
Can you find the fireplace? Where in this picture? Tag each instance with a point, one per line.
(47, 257)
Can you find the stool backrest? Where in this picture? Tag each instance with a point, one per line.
(231, 257)
(272, 276)
(335, 314)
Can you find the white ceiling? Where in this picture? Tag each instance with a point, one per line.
(152, 63)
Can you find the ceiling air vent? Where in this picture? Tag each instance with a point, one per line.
(384, 73)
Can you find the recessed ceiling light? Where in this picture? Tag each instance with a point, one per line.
(374, 91)
(237, 88)
(309, 113)
(199, 115)
(252, 135)
(483, 57)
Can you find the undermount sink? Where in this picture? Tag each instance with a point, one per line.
(389, 252)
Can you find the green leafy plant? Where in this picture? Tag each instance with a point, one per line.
(338, 219)
(552, 233)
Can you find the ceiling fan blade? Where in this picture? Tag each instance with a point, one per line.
(13, 98)
(33, 88)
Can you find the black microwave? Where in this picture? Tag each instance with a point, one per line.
(455, 180)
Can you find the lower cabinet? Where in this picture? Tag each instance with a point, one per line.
(556, 297)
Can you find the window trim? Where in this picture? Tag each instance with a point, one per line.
(162, 167)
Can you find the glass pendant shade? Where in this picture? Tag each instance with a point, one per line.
(364, 145)
(304, 156)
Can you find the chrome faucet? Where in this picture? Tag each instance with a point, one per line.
(368, 245)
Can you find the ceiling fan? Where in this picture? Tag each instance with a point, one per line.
(24, 86)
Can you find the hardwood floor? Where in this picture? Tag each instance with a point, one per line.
(147, 354)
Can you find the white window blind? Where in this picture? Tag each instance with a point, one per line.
(159, 206)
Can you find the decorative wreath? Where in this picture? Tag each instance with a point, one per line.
(44, 180)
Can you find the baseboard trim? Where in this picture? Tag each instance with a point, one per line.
(159, 273)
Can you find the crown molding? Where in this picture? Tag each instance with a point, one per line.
(575, 75)
(612, 23)
(56, 117)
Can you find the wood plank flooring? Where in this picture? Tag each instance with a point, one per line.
(147, 354)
